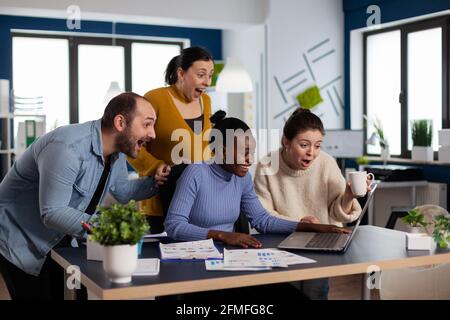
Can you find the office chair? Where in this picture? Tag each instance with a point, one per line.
(422, 283)
(393, 217)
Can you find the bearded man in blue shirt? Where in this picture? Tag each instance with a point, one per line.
(59, 181)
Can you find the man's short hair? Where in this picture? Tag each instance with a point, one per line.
(124, 104)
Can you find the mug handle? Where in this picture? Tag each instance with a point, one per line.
(371, 177)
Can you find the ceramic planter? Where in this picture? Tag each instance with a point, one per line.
(119, 262)
(422, 153)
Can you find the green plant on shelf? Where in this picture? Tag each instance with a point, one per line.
(379, 131)
(363, 160)
(422, 132)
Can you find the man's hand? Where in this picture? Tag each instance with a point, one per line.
(309, 219)
(162, 171)
(321, 228)
(235, 239)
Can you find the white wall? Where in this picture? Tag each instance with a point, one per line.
(247, 44)
(278, 49)
(294, 27)
(228, 14)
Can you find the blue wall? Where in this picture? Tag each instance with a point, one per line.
(391, 10)
(211, 39)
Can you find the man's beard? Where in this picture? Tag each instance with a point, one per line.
(126, 143)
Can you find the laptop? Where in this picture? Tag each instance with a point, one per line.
(335, 242)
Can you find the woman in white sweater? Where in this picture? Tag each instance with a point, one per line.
(300, 182)
(307, 184)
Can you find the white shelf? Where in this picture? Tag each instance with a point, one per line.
(6, 151)
(409, 161)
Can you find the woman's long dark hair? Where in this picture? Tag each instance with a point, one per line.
(184, 61)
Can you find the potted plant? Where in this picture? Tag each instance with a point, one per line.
(379, 135)
(363, 160)
(118, 229)
(441, 232)
(422, 135)
(415, 221)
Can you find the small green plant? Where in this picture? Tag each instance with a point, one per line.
(422, 132)
(379, 131)
(441, 232)
(415, 218)
(120, 224)
(362, 160)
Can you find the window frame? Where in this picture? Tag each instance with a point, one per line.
(75, 41)
(405, 29)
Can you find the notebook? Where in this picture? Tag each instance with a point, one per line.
(147, 267)
(203, 249)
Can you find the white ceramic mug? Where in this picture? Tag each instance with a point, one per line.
(358, 180)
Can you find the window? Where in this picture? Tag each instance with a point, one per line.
(149, 61)
(71, 75)
(41, 79)
(405, 80)
(98, 65)
(383, 86)
(424, 93)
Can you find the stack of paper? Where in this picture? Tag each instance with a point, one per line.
(218, 265)
(147, 267)
(203, 249)
(153, 237)
(255, 260)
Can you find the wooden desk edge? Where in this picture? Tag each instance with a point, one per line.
(253, 279)
(87, 282)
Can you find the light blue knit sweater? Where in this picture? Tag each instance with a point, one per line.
(209, 198)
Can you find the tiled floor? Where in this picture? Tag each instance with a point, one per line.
(341, 288)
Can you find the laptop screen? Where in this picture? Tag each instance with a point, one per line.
(365, 208)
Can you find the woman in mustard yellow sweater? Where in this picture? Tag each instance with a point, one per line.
(183, 110)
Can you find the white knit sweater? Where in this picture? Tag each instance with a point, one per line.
(293, 194)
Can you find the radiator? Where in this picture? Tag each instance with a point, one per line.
(434, 193)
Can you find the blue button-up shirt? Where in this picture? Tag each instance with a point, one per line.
(44, 195)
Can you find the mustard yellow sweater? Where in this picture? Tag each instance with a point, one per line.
(159, 150)
(293, 194)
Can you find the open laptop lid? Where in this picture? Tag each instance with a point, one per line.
(363, 212)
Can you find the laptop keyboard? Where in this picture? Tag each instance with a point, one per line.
(323, 240)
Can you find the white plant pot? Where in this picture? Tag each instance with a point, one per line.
(119, 262)
(422, 153)
(385, 153)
